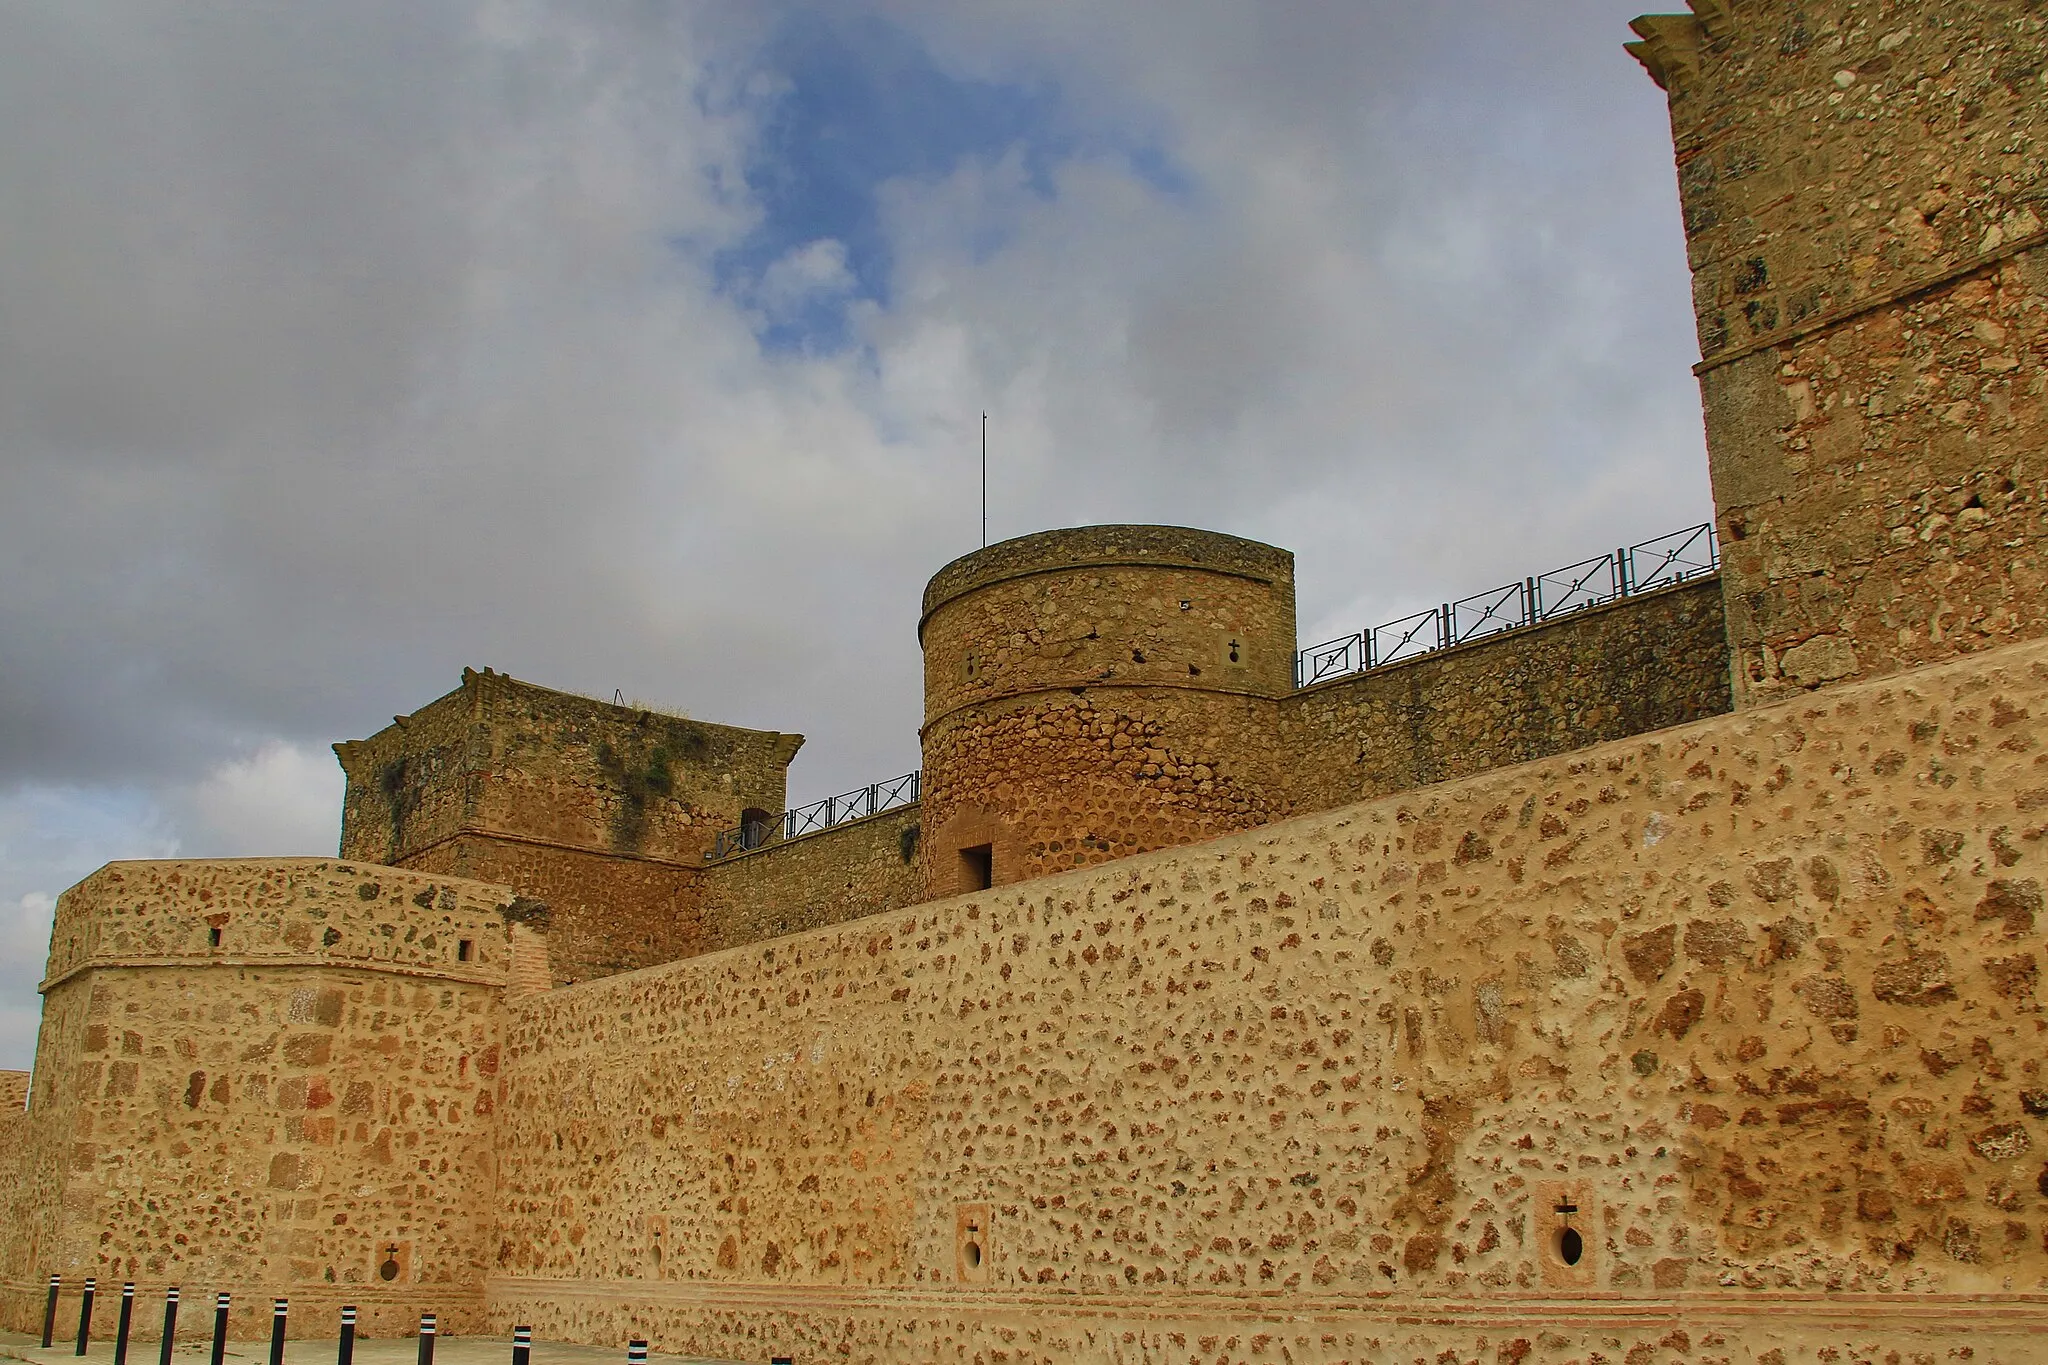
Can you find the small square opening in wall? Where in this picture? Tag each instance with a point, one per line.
(977, 868)
(465, 949)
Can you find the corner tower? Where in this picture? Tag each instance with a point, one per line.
(1097, 692)
(1864, 191)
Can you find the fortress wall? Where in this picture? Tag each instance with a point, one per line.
(276, 1113)
(1865, 198)
(851, 870)
(1627, 668)
(607, 912)
(1757, 998)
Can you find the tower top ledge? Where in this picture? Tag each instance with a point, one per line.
(1075, 547)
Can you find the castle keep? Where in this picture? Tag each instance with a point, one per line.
(1653, 982)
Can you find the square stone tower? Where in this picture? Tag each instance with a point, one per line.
(603, 812)
(1863, 188)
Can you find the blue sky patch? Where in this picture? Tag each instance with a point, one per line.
(864, 104)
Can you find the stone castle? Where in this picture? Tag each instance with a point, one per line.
(1655, 982)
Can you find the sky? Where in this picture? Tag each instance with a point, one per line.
(643, 348)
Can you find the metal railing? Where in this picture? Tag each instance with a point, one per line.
(857, 804)
(1623, 572)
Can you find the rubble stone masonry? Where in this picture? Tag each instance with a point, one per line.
(265, 1076)
(1625, 668)
(603, 811)
(1752, 1005)
(838, 874)
(1100, 691)
(1865, 203)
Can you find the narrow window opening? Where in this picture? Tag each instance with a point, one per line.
(977, 868)
(213, 936)
(464, 950)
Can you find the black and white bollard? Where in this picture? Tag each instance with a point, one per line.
(127, 1320)
(220, 1327)
(636, 1352)
(170, 1325)
(345, 1354)
(85, 1314)
(522, 1346)
(426, 1339)
(278, 1309)
(50, 1312)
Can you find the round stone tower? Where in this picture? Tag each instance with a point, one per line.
(1100, 691)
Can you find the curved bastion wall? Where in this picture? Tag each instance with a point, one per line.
(1100, 691)
(268, 1076)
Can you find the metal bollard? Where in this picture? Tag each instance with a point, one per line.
(50, 1312)
(170, 1325)
(347, 1351)
(522, 1346)
(278, 1309)
(85, 1314)
(426, 1339)
(127, 1319)
(636, 1352)
(220, 1327)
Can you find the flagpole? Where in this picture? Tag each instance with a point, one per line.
(984, 481)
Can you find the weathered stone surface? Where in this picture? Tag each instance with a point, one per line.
(270, 1112)
(603, 811)
(1863, 192)
(1136, 1065)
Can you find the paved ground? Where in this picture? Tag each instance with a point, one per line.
(369, 1351)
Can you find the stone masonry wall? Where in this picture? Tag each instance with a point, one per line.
(1627, 668)
(1751, 1004)
(608, 912)
(602, 811)
(1865, 198)
(506, 757)
(1100, 691)
(860, 868)
(282, 1111)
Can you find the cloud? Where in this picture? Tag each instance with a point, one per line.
(280, 801)
(644, 348)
